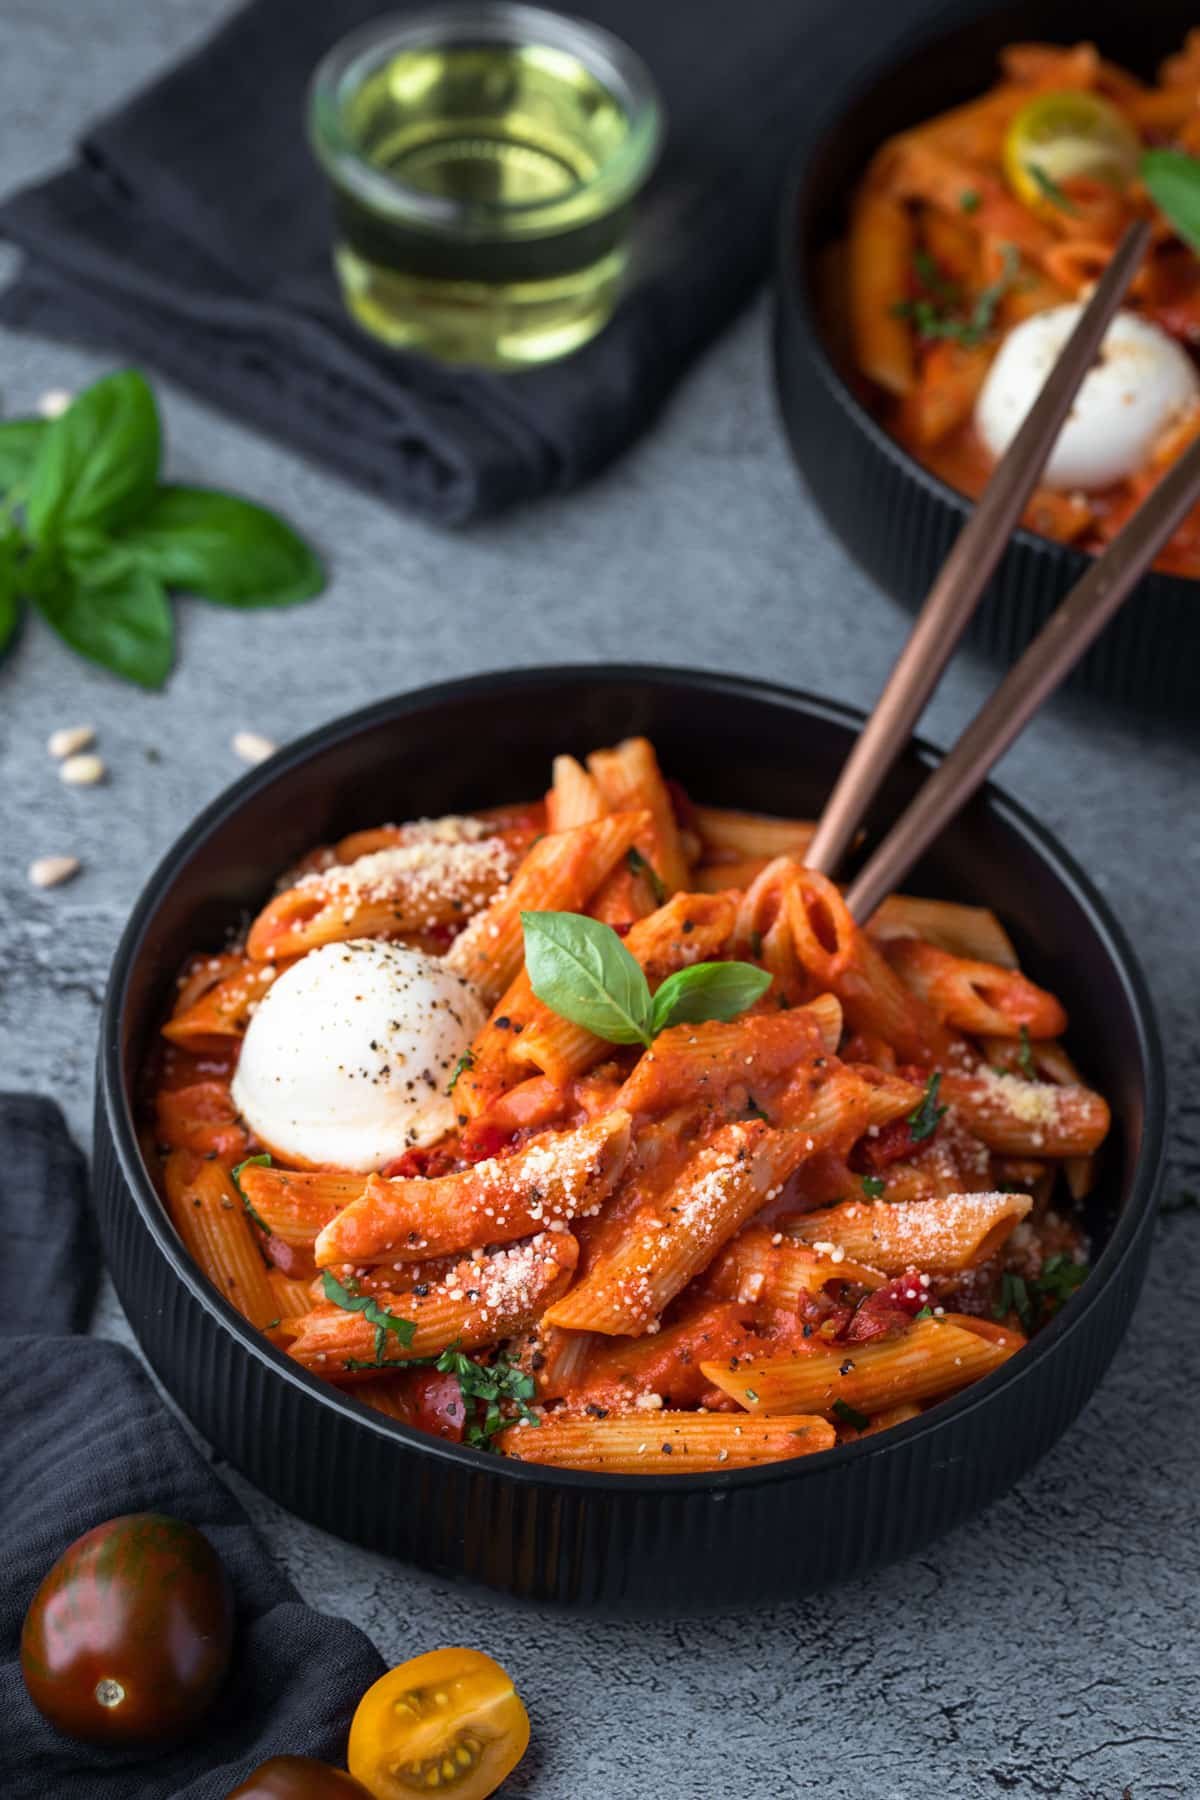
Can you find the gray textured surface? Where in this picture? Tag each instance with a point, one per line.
(1050, 1647)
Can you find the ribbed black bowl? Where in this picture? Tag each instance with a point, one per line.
(895, 518)
(663, 1543)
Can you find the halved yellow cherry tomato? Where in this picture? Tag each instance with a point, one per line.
(449, 1723)
(1062, 137)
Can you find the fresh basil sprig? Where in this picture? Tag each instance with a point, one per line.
(93, 540)
(582, 971)
(1172, 180)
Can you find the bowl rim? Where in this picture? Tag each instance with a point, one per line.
(1136, 1213)
(796, 292)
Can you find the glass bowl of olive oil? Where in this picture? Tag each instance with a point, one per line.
(484, 161)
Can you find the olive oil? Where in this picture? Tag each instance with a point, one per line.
(482, 190)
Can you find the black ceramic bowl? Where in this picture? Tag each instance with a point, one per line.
(661, 1543)
(894, 517)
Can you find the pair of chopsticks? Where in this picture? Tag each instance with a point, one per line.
(952, 599)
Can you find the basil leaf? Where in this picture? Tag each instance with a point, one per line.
(97, 464)
(10, 587)
(383, 1321)
(19, 443)
(850, 1415)
(10, 609)
(248, 1162)
(716, 990)
(112, 611)
(1173, 182)
(223, 548)
(582, 970)
(925, 1118)
(639, 866)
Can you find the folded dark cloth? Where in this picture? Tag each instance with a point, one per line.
(193, 230)
(83, 1437)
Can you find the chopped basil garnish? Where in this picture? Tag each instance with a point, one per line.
(924, 1119)
(1014, 1298)
(940, 309)
(1050, 189)
(1025, 1060)
(261, 1162)
(873, 1186)
(350, 1300)
(850, 1415)
(466, 1061)
(1059, 1278)
(637, 862)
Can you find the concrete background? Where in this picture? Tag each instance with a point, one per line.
(1047, 1649)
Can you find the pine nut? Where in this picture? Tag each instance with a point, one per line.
(70, 738)
(251, 746)
(82, 771)
(52, 871)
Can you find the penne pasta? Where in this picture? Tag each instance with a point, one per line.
(972, 931)
(943, 1235)
(762, 1267)
(560, 874)
(735, 837)
(974, 996)
(202, 1117)
(574, 798)
(1028, 1118)
(930, 1359)
(665, 1443)
(879, 261)
(751, 1055)
(411, 888)
(553, 1179)
(840, 956)
(225, 1009)
(208, 1215)
(295, 1205)
(629, 780)
(480, 1302)
(292, 1298)
(662, 1249)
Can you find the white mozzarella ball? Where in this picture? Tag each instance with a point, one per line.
(349, 1055)
(1140, 383)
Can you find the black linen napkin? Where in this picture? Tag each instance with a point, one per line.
(192, 233)
(84, 1437)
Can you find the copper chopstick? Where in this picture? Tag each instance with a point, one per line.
(1073, 626)
(952, 599)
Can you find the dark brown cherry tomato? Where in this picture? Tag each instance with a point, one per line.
(298, 1778)
(128, 1638)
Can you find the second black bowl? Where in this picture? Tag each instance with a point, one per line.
(895, 518)
(659, 1543)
